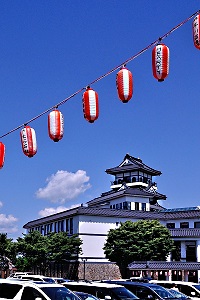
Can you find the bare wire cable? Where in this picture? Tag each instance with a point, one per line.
(103, 76)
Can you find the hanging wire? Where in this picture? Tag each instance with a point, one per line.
(104, 75)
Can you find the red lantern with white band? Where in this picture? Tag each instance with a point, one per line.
(160, 62)
(2, 154)
(55, 125)
(90, 105)
(124, 82)
(196, 31)
(28, 140)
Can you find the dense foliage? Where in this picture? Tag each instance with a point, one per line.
(138, 241)
(7, 251)
(34, 249)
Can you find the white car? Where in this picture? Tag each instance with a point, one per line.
(191, 289)
(37, 278)
(27, 290)
(16, 274)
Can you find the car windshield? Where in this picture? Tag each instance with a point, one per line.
(178, 294)
(197, 286)
(162, 292)
(123, 293)
(59, 293)
(49, 280)
(85, 296)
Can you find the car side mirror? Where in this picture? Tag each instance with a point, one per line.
(192, 293)
(107, 298)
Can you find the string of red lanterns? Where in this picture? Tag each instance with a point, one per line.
(124, 85)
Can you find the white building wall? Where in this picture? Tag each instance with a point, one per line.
(93, 231)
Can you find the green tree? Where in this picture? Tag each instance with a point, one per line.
(143, 240)
(34, 249)
(7, 251)
(61, 246)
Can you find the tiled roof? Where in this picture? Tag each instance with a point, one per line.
(135, 164)
(116, 213)
(126, 191)
(180, 209)
(164, 265)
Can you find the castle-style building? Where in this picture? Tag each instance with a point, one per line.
(133, 196)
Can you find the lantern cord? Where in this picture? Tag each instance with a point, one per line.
(104, 75)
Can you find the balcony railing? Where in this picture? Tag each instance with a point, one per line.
(131, 180)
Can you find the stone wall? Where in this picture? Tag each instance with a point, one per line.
(98, 271)
(75, 270)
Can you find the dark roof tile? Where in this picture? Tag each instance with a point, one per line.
(135, 164)
(164, 265)
(107, 212)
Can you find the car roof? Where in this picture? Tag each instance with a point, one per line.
(92, 283)
(29, 283)
(173, 281)
(131, 283)
(33, 275)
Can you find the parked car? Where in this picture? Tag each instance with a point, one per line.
(28, 290)
(191, 289)
(86, 296)
(16, 274)
(59, 279)
(178, 294)
(101, 290)
(140, 279)
(145, 290)
(36, 278)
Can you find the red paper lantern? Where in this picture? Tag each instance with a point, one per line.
(196, 31)
(2, 154)
(55, 125)
(90, 105)
(28, 140)
(124, 82)
(160, 62)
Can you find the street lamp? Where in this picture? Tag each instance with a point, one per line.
(84, 260)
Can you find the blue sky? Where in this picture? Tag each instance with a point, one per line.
(51, 49)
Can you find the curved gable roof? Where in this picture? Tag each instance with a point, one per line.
(131, 163)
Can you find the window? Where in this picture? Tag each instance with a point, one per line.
(67, 225)
(49, 227)
(184, 224)
(61, 226)
(71, 225)
(143, 206)
(55, 227)
(127, 205)
(9, 291)
(41, 229)
(31, 294)
(196, 224)
(127, 179)
(136, 205)
(145, 179)
(170, 225)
